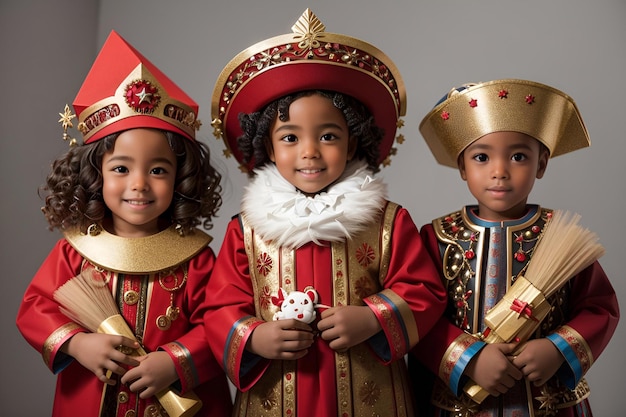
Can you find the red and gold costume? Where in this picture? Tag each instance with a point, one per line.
(158, 281)
(481, 259)
(349, 243)
(143, 297)
(383, 265)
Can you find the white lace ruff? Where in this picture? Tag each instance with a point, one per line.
(277, 211)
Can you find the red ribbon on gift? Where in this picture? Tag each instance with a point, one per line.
(522, 307)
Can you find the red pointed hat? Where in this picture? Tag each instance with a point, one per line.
(124, 90)
(308, 59)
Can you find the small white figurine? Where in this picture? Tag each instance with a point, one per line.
(299, 305)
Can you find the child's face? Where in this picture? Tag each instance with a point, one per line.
(312, 148)
(138, 177)
(500, 169)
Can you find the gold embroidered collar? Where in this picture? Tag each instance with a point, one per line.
(141, 255)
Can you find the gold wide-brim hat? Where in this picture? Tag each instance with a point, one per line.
(472, 111)
(307, 59)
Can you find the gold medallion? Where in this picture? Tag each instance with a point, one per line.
(172, 312)
(163, 322)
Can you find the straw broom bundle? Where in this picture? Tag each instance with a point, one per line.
(87, 300)
(564, 250)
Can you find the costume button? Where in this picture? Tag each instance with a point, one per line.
(163, 322)
(122, 397)
(131, 297)
(130, 413)
(153, 411)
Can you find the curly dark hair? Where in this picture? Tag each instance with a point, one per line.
(73, 189)
(256, 127)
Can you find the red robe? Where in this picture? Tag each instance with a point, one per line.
(407, 298)
(585, 315)
(46, 329)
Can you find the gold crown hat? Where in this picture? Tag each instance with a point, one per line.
(471, 111)
(308, 59)
(124, 90)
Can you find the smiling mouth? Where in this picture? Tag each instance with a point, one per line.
(310, 171)
(138, 202)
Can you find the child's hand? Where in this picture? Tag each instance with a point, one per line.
(493, 370)
(539, 360)
(98, 353)
(281, 339)
(155, 372)
(347, 326)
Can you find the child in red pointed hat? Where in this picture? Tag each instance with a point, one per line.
(311, 116)
(500, 135)
(128, 201)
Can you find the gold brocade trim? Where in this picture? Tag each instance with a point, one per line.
(551, 399)
(398, 343)
(385, 239)
(343, 372)
(579, 346)
(287, 282)
(265, 262)
(377, 389)
(556, 398)
(136, 313)
(137, 255)
(453, 353)
(366, 386)
(235, 343)
(183, 359)
(289, 387)
(52, 342)
(385, 256)
(271, 268)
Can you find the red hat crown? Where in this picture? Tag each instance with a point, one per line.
(308, 59)
(124, 90)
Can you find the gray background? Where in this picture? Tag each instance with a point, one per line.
(47, 47)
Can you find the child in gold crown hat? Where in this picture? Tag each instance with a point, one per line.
(310, 116)
(500, 135)
(128, 200)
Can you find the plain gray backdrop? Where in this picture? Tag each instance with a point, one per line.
(47, 48)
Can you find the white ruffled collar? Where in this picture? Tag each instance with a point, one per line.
(277, 211)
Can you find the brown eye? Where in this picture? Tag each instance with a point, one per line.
(291, 301)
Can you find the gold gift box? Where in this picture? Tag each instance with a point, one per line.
(518, 314)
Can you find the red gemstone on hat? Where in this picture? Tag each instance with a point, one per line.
(142, 96)
(469, 254)
(535, 229)
(530, 99)
(473, 103)
(503, 94)
(445, 115)
(520, 257)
